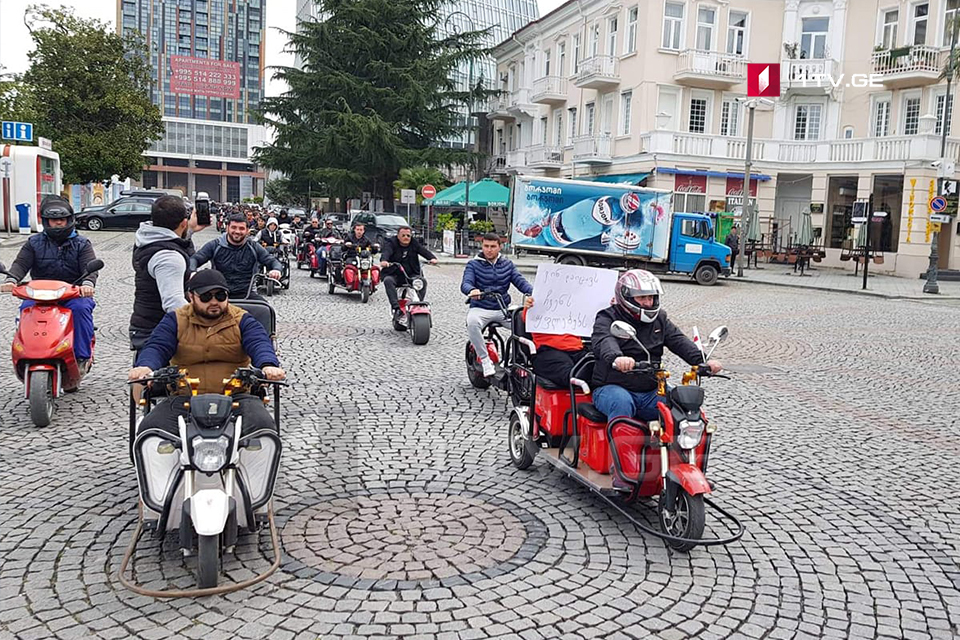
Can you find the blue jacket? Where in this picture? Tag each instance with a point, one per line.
(492, 276)
(47, 260)
(163, 343)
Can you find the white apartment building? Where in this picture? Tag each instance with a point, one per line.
(653, 90)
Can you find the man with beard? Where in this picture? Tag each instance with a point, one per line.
(238, 257)
(211, 339)
(161, 255)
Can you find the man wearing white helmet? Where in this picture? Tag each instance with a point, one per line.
(617, 389)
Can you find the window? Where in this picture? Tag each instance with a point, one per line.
(949, 17)
(881, 118)
(694, 228)
(737, 33)
(730, 117)
(848, 133)
(630, 45)
(576, 53)
(698, 115)
(806, 124)
(546, 63)
(626, 98)
(572, 117)
(939, 110)
(543, 131)
(595, 41)
(561, 58)
(612, 36)
(589, 121)
(558, 127)
(813, 40)
(672, 25)
(689, 203)
(888, 34)
(911, 116)
(920, 16)
(706, 17)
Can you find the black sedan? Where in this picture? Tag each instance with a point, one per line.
(123, 213)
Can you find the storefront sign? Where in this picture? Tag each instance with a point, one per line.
(735, 187)
(690, 184)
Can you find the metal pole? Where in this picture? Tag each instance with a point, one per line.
(466, 195)
(866, 248)
(747, 216)
(933, 266)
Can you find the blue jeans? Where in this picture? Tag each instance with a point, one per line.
(615, 401)
(82, 309)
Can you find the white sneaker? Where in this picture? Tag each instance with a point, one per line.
(488, 368)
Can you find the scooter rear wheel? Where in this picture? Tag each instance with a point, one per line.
(208, 561)
(521, 453)
(475, 370)
(42, 404)
(687, 520)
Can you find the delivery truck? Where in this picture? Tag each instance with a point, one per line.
(615, 226)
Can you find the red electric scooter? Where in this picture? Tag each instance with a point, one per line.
(414, 310)
(43, 345)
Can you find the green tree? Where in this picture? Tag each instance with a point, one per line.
(15, 99)
(416, 177)
(90, 93)
(284, 191)
(374, 95)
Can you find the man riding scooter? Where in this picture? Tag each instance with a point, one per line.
(270, 237)
(406, 251)
(489, 272)
(617, 389)
(353, 244)
(237, 257)
(211, 339)
(60, 253)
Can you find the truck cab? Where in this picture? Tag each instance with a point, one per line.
(694, 250)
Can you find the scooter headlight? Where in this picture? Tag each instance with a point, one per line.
(689, 434)
(417, 284)
(365, 264)
(210, 455)
(46, 294)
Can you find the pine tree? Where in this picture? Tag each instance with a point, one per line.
(374, 95)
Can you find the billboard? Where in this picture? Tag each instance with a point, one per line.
(205, 77)
(591, 216)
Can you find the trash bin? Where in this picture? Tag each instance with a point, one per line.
(23, 211)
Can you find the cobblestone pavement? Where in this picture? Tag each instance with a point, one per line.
(401, 515)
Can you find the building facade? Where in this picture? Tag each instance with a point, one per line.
(206, 104)
(655, 92)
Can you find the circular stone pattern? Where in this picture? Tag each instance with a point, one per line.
(401, 541)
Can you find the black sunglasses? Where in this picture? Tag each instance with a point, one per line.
(219, 294)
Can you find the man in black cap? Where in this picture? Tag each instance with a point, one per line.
(210, 338)
(60, 253)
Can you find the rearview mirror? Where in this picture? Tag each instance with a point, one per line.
(719, 335)
(623, 331)
(93, 266)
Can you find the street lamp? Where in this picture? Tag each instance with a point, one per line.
(455, 28)
(746, 218)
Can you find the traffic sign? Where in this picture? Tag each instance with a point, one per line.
(19, 131)
(938, 204)
(938, 217)
(858, 219)
(948, 188)
(408, 196)
(428, 191)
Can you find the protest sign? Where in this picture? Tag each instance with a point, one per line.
(567, 298)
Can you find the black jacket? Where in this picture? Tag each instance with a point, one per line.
(408, 256)
(654, 336)
(733, 241)
(44, 259)
(310, 232)
(237, 264)
(358, 244)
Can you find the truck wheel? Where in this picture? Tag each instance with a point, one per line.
(706, 274)
(575, 261)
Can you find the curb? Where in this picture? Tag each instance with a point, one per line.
(858, 292)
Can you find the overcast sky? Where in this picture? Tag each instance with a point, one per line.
(15, 40)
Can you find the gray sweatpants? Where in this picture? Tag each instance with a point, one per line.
(477, 321)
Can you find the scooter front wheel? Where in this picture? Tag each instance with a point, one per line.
(685, 521)
(271, 287)
(521, 453)
(364, 294)
(208, 561)
(420, 328)
(42, 404)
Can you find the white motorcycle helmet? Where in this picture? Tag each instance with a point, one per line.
(634, 283)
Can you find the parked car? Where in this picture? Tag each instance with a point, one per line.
(379, 226)
(123, 213)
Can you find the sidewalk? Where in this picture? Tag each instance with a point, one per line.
(820, 279)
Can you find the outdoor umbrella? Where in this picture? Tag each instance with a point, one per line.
(805, 234)
(751, 226)
(485, 193)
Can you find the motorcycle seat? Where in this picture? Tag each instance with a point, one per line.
(591, 413)
(549, 385)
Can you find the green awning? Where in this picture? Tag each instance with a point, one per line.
(620, 178)
(485, 193)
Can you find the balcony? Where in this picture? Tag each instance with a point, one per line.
(710, 69)
(809, 77)
(549, 90)
(497, 108)
(544, 157)
(916, 148)
(593, 149)
(497, 165)
(913, 66)
(598, 72)
(519, 103)
(516, 160)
